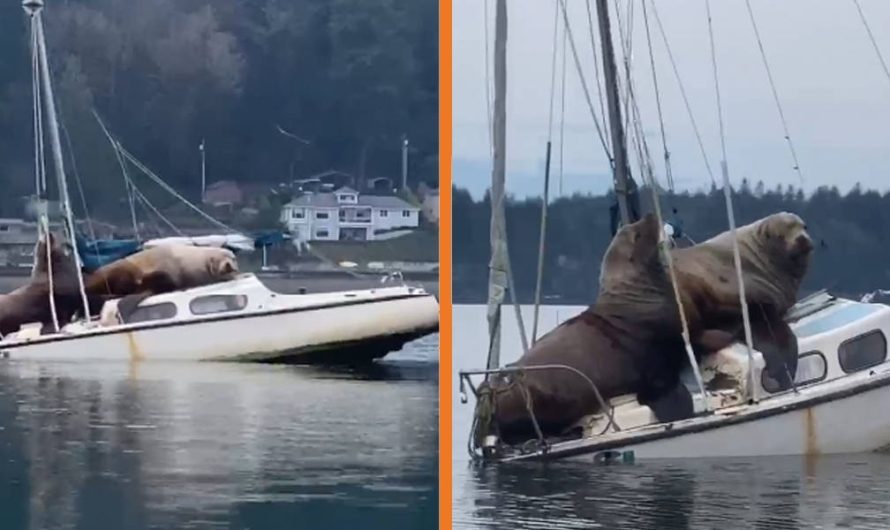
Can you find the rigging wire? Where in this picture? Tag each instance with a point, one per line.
(127, 182)
(596, 122)
(772, 85)
(633, 120)
(488, 81)
(596, 65)
(668, 173)
(727, 192)
(679, 79)
(539, 279)
(871, 37)
(166, 187)
(40, 169)
(562, 112)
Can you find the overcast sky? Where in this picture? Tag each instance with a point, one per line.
(833, 90)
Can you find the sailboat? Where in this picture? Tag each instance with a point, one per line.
(236, 320)
(832, 407)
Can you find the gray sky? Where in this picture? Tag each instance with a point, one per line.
(833, 90)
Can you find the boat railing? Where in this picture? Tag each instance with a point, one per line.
(489, 444)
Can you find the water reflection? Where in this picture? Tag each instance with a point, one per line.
(214, 445)
(767, 493)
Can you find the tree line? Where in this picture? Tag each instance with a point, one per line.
(278, 89)
(850, 232)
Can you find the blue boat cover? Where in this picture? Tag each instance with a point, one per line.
(94, 254)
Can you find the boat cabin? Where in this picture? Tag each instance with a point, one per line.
(836, 337)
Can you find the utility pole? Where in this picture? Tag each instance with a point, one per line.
(621, 170)
(404, 162)
(203, 170)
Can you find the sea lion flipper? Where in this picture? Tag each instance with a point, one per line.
(775, 340)
(713, 340)
(673, 406)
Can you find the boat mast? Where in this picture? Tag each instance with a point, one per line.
(623, 182)
(34, 8)
(497, 267)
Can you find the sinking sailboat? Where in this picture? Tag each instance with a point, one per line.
(739, 410)
(236, 320)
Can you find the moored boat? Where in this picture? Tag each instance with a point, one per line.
(240, 320)
(842, 372)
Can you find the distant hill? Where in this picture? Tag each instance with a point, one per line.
(851, 232)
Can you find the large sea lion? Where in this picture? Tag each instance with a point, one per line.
(628, 342)
(163, 268)
(30, 302)
(775, 255)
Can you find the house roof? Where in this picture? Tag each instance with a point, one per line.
(385, 201)
(329, 200)
(318, 200)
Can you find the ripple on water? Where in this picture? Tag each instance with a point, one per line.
(219, 445)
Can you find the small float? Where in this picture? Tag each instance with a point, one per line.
(240, 320)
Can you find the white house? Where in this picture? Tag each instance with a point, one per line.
(346, 215)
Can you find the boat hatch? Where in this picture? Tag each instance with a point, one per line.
(839, 317)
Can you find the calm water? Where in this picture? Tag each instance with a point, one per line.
(110, 446)
(829, 492)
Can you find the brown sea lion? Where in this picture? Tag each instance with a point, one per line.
(628, 342)
(775, 255)
(163, 269)
(30, 302)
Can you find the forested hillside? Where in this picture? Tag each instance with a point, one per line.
(347, 78)
(851, 233)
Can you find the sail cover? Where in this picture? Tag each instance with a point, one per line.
(233, 242)
(99, 252)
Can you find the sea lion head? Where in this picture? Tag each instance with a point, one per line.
(223, 265)
(785, 235)
(634, 249)
(61, 256)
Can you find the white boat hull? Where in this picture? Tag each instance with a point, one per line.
(341, 332)
(843, 416)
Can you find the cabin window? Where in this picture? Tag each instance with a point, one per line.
(811, 368)
(406, 213)
(217, 303)
(321, 215)
(151, 312)
(384, 213)
(862, 352)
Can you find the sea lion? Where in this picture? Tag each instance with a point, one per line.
(30, 302)
(163, 268)
(775, 255)
(628, 342)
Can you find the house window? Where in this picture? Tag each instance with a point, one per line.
(321, 215)
(4, 228)
(811, 368)
(321, 233)
(150, 312)
(406, 213)
(297, 214)
(862, 352)
(217, 303)
(384, 213)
